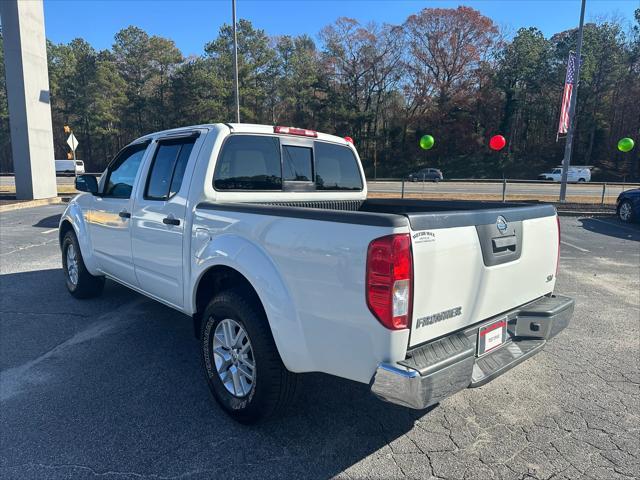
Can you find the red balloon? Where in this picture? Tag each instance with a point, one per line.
(349, 139)
(497, 142)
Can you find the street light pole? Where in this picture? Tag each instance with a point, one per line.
(566, 161)
(236, 88)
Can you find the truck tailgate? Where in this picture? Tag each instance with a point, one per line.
(471, 266)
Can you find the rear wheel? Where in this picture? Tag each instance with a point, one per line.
(582, 180)
(243, 368)
(625, 211)
(80, 283)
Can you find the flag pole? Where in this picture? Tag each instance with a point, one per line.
(566, 161)
(236, 88)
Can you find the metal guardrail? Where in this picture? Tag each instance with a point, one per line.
(509, 180)
(504, 182)
(460, 180)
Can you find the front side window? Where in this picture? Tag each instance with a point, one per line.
(167, 169)
(122, 173)
(336, 168)
(249, 162)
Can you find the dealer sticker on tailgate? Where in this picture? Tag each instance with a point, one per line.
(491, 336)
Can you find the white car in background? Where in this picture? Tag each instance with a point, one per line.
(574, 174)
(69, 167)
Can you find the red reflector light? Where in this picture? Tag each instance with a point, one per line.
(390, 280)
(295, 131)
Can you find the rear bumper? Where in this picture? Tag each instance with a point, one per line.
(440, 368)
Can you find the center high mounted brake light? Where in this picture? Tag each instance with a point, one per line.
(296, 131)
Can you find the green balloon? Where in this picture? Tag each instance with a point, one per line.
(426, 142)
(625, 144)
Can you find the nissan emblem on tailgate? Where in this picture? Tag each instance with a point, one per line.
(501, 224)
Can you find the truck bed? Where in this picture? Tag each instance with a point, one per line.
(472, 260)
(419, 214)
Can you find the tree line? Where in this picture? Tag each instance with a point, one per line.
(450, 73)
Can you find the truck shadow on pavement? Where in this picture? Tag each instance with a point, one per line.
(115, 384)
(612, 226)
(51, 221)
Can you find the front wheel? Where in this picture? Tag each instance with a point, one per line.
(80, 283)
(243, 368)
(625, 211)
(581, 180)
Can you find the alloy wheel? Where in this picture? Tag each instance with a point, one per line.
(233, 357)
(72, 264)
(625, 211)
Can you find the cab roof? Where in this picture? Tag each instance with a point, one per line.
(240, 128)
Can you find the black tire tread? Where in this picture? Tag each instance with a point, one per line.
(88, 286)
(282, 383)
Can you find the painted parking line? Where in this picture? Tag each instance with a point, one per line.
(50, 231)
(574, 246)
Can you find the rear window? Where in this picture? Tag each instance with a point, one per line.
(297, 164)
(336, 168)
(254, 162)
(249, 162)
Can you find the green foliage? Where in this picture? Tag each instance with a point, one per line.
(445, 72)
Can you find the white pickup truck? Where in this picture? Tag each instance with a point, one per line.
(265, 236)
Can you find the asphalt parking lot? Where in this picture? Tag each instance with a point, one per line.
(113, 388)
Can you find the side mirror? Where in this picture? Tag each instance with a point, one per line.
(87, 183)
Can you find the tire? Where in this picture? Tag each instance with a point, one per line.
(80, 283)
(625, 211)
(271, 387)
(581, 180)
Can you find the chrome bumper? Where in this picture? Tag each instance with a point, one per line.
(441, 368)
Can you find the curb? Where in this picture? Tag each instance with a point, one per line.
(33, 203)
(577, 213)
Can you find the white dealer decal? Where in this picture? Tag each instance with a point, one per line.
(424, 237)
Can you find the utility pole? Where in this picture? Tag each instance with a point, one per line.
(566, 161)
(236, 88)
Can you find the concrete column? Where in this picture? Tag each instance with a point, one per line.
(25, 57)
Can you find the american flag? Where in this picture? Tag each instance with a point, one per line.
(566, 96)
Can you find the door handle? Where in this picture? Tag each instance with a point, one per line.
(170, 221)
(124, 214)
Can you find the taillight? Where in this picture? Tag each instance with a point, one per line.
(295, 131)
(390, 279)
(558, 259)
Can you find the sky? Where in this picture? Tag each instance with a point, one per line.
(191, 23)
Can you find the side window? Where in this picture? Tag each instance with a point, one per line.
(297, 164)
(122, 173)
(336, 168)
(167, 168)
(249, 162)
